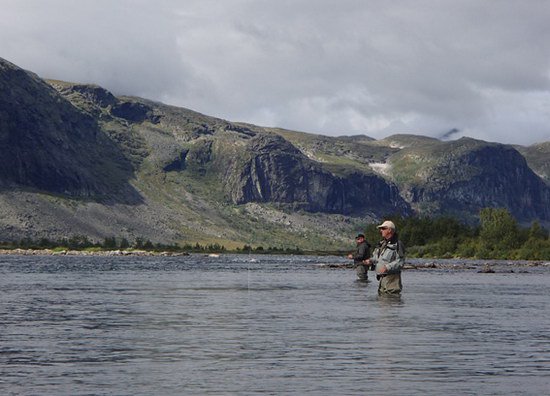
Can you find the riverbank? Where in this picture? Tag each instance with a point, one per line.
(482, 266)
(50, 252)
(469, 263)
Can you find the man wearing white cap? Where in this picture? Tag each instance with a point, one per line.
(388, 259)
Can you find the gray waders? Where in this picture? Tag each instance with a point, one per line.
(390, 284)
(361, 270)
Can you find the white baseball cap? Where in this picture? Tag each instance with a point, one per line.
(387, 224)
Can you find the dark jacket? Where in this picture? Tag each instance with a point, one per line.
(361, 253)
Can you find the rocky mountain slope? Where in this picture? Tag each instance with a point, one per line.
(47, 144)
(538, 158)
(76, 160)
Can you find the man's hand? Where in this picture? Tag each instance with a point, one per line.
(383, 270)
(366, 261)
(350, 256)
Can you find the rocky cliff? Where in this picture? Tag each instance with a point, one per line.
(271, 169)
(467, 175)
(537, 156)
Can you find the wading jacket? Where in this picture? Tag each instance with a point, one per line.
(390, 253)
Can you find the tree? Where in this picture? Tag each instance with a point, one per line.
(109, 243)
(124, 244)
(537, 232)
(79, 242)
(499, 233)
(139, 243)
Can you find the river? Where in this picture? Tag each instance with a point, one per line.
(245, 325)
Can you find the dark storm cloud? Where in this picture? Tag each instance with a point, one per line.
(332, 67)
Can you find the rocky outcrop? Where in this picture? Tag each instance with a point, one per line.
(538, 159)
(134, 112)
(94, 94)
(467, 179)
(102, 104)
(196, 158)
(273, 170)
(177, 164)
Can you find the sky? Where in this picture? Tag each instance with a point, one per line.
(332, 67)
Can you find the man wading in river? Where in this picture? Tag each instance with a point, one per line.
(362, 253)
(388, 259)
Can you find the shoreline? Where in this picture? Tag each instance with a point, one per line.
(411, 264)
(117, 252)
(462, 264)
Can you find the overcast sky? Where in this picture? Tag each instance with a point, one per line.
(337, 67)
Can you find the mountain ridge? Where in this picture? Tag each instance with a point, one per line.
(140, 168)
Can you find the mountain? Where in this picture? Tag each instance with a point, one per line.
(463, 176)
(537, 156)
(48, 145)
(77, 160)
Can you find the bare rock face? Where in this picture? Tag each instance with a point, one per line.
(538, 159)
(178, 163)
(134, 112)
(273, 170)
(470, 175)
(95, 94)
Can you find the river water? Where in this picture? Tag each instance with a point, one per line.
(248, 325)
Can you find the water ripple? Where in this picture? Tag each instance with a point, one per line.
(267, 324)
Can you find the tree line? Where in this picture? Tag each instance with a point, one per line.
(497, 236)
(81, 242)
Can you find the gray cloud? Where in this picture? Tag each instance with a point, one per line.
(330, 67)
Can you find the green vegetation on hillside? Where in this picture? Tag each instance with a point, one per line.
(498, 236)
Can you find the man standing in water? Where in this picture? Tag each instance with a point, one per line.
(388, 259)
(362, 253)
